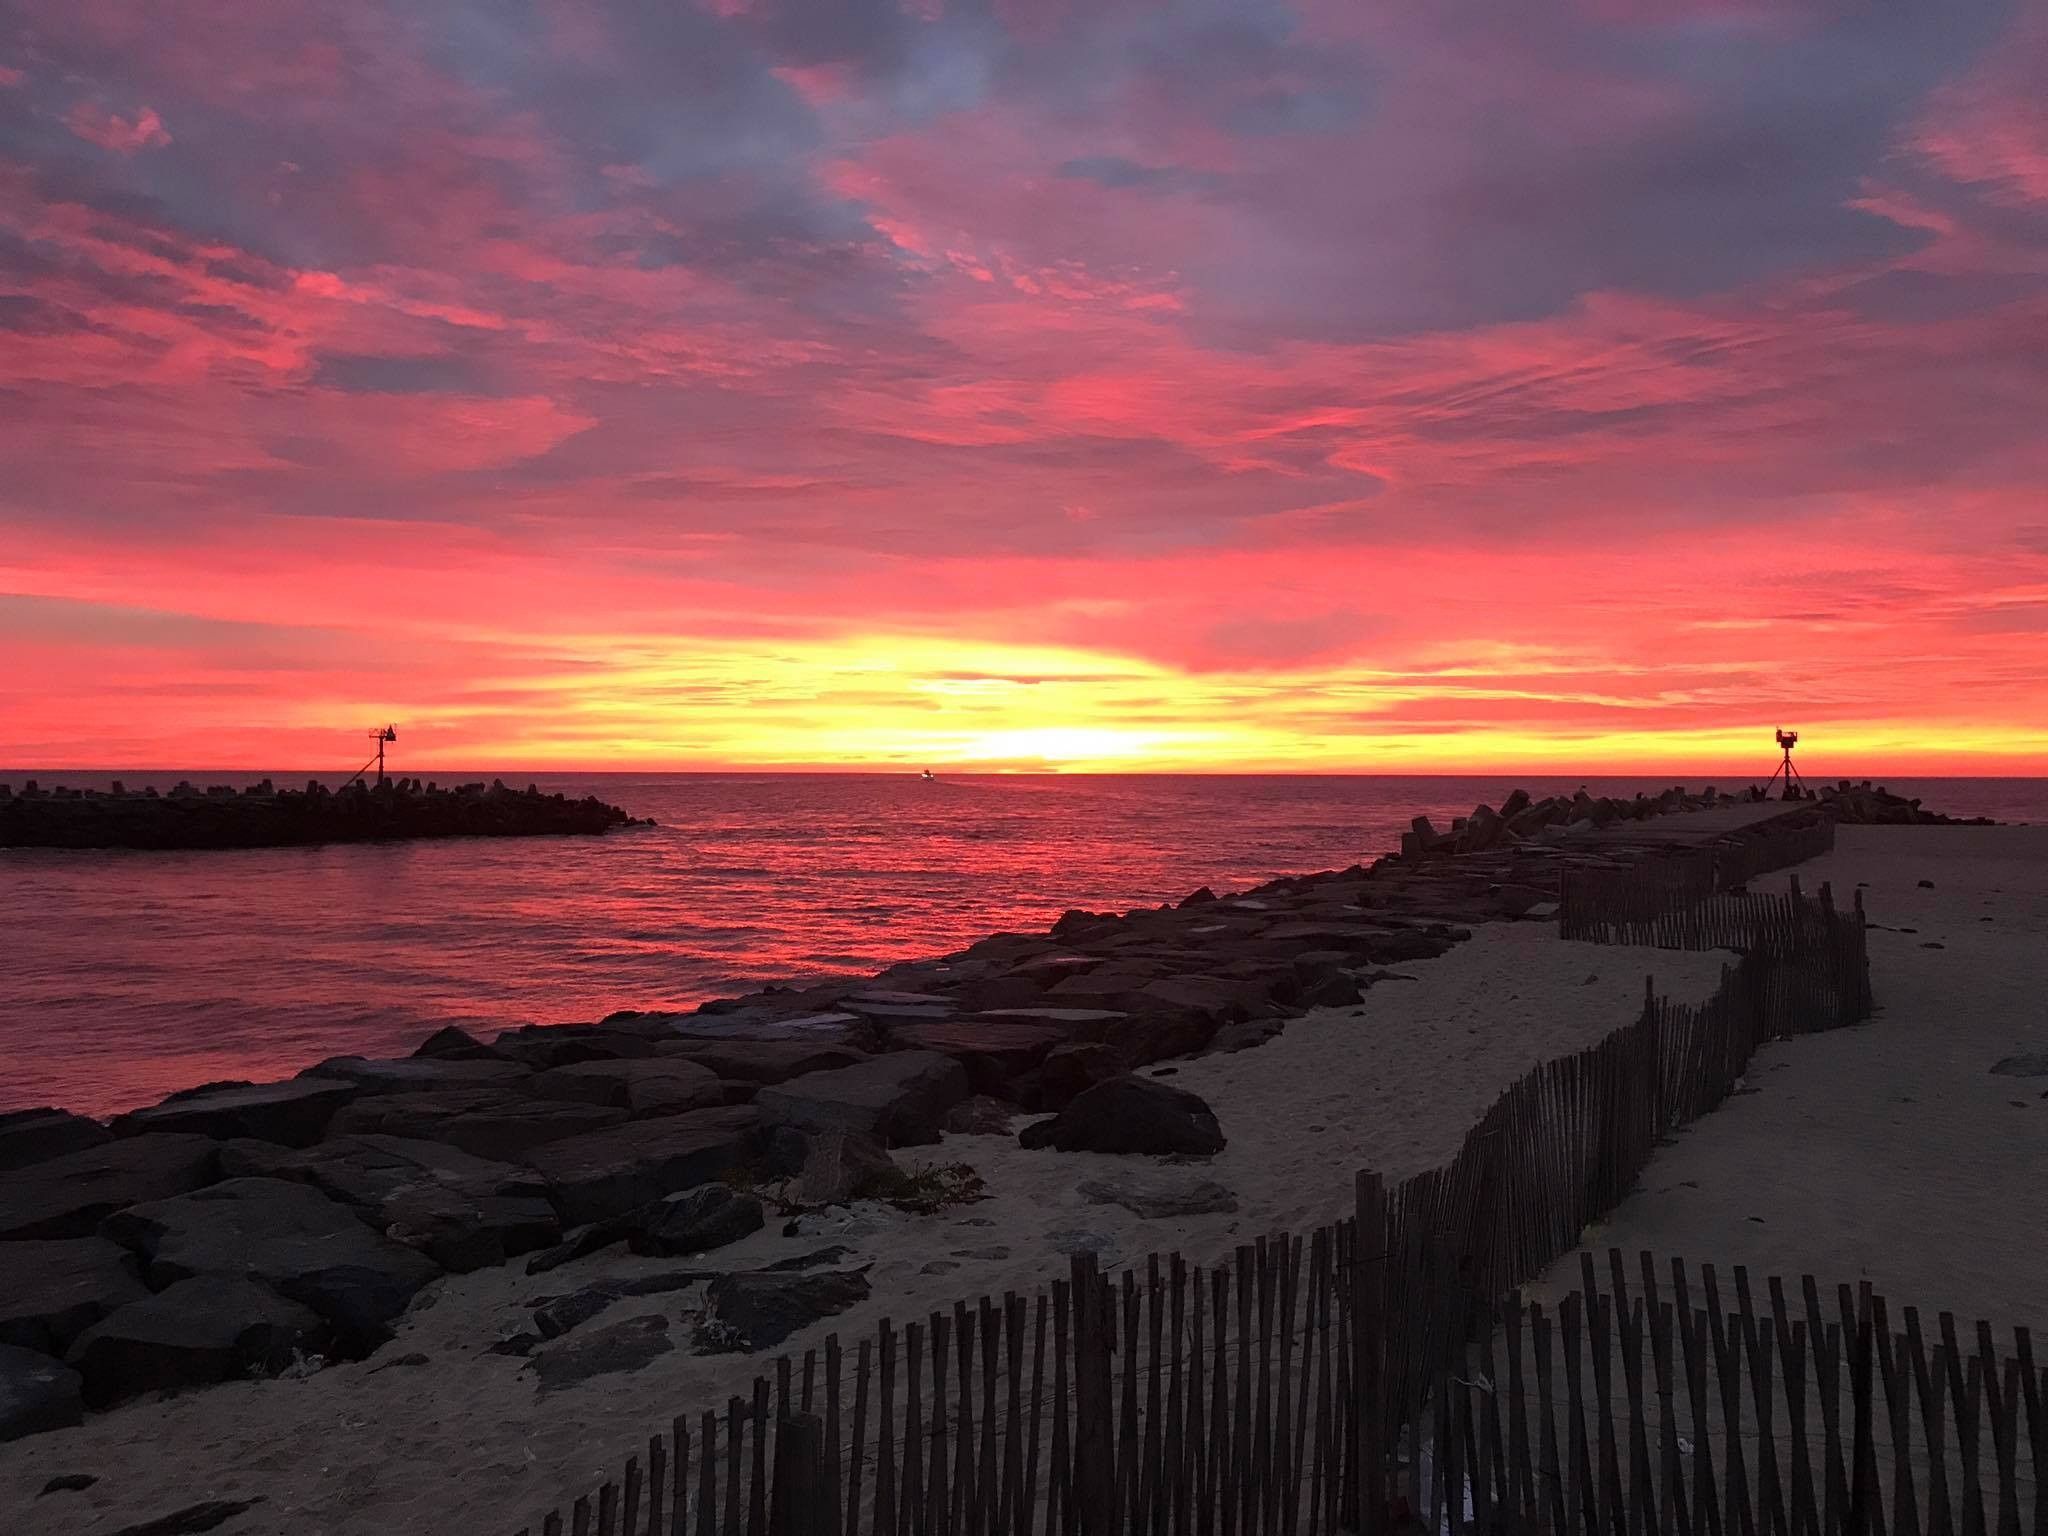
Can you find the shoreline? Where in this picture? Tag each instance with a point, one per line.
(1488, 1017)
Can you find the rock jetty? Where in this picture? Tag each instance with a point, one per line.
(263, 816)
(241, 1229)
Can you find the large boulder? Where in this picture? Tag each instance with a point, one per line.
(498, 1123)
(462, 1212)
(1069, 1070)
(661, 1085)
(1130, 1114)
(419, 1074)
(37, 1393)
(51, 1291)
(758, 1309)
(611, 1172)
(292, 1238)
(452, 1044)
(900, 1099)
(762, 1061)
(216, 1328)
(541, 1046)
(840, 1166)
(69, 1196)
(292, 1113)
(709, 1216)
(994, 1051)
(37, 1135)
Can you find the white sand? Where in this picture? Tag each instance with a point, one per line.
(1888, 1152)
(465, 1444)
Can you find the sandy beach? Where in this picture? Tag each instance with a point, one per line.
(1888, 1152)
(464, 1440)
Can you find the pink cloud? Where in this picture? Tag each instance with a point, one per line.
(112, 132)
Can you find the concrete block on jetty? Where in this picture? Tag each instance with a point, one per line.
(264, 816)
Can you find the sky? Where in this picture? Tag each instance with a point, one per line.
(1332, 385)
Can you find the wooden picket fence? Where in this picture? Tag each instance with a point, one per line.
(1274, 1395)
(1680, 900)
(1668, 1411)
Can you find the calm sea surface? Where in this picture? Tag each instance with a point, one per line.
(126, 975)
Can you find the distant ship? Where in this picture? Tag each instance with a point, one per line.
(927, 774)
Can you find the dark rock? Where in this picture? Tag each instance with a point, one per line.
(192, 1520)
(651, 1086)
(1130, 1114)
(2032, 1065)
(558, 1314)
(215, 1328)
(613, 1350)
(452, 1044)
(759, 1309)
(695, 1221)
(37, 1393)
(1157, 1197)
(841, 1166)
(993, 1051)
(1926, 885)
(497, 1123)
(980, 1116)
(463, 1212)
(292, 1113)
(1199, 897)
(52, 1291)
(420, 1074)
(611, 1172)
(1067, 1070)
(69, 1196)
(1335, 990)
(763, 1061)
(541, 1046)
(1249, 1035)
(37, 1135)
(813, 1259)
(900, 1099)
(69, 1482)
(292, 1238)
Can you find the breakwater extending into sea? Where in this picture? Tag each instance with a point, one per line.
(251, 964)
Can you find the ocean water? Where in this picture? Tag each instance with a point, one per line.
(125, 975)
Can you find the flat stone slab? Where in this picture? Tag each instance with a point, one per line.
(53, 1290)
(992, 1049)
(611, 1172)
(70, 1196)
(764, 1061)
(292, 1238)
(462, 1212)
(199, 1331)
(291, 1113)
(660, 1085)
(2034, 1064)
(758, 1309)
(37, 1135)
(419, 1074)
(900, 1099)
(37, 1393)
(830, 1025)
(1160, 1197)
(496, 1123)
(615, 1349)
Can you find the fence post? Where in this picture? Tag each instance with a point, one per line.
(1094, 1403)
(1368, 1364)
(798, 1497)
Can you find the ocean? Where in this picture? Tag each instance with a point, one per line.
(126, 975)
